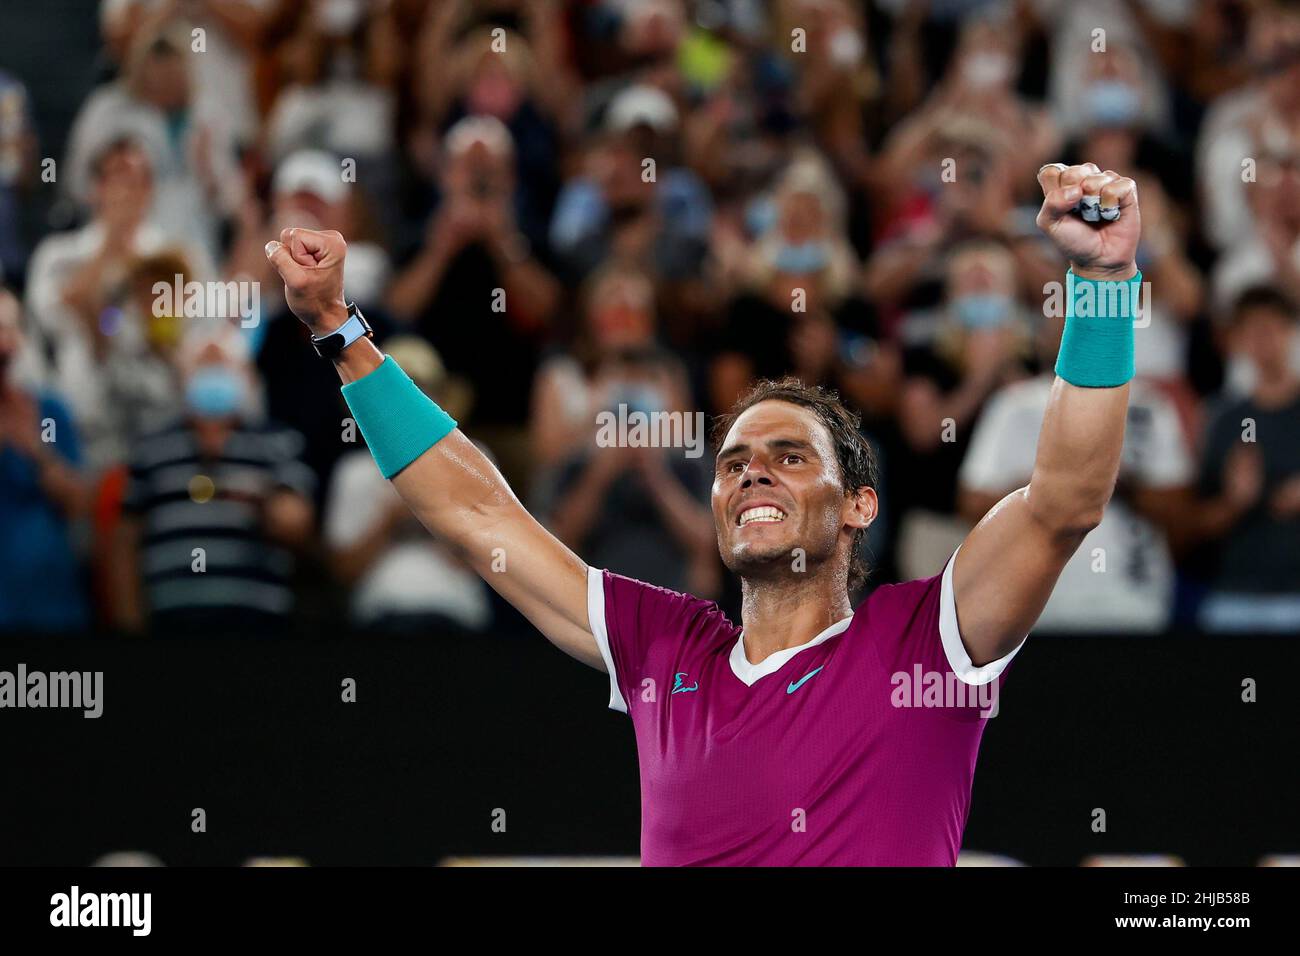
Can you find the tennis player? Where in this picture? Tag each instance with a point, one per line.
(809, 734)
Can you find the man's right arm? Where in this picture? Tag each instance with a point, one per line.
(462, 499)
(453, 489)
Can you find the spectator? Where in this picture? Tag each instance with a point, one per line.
(798, 311)
(76, 287)
(191, 148)
(1085, 87)
(139, 371)
(1268, 254)
(476, 63)
(402, 580)
(340, 69)
(519, 75)
(1121, 579)
(838, 87)
(475, 290)
(839, 191)
(1250, 478)
(622, 206)
(629, 42)
(233, 31)
(41, 494)
(140, 391)
(1236, 125)
(617, 315)
(216, 506)
(977, 93)
(954, 359)
(949, 177)
(639, 511)
(1271, 255)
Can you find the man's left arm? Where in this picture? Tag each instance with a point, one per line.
(1006, 569)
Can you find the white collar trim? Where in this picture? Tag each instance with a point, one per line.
(749, 673)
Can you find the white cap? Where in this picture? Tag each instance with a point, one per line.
(488, 130)
(639, 105)
(313, 171)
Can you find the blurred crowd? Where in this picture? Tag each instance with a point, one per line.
(557, 207)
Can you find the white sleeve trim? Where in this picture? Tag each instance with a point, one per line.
(953, 646)
(596, 619)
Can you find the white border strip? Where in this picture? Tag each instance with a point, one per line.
(953, 646)
(596, 620)
(749, 674)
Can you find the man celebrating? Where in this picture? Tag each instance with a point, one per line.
(803, 736)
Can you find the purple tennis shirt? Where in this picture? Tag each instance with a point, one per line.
(857, 748)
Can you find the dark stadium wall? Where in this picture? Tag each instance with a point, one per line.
(447, 732)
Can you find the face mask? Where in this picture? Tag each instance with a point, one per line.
(982, 310)
(800, 258)
(162, 332)
(641, 398)
(986, 69)
(760, 216)
(1112, 103)
(214, 391)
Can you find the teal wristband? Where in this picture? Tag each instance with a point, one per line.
(1097, 345)
(399, 422)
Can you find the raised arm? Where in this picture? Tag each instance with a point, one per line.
(1008, 565)
(450, 485)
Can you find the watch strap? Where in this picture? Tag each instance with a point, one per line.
(356, 327)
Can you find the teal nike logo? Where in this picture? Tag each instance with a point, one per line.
(795, 685)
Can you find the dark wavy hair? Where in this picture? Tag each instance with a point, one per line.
(858, 467)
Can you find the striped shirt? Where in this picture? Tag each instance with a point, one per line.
(203, 545)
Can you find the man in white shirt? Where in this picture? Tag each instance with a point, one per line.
(75, 284)
(1121, 579)
(197, 182)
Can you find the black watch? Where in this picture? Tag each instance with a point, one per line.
(356, 327)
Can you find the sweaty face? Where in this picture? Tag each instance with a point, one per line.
(777, 488)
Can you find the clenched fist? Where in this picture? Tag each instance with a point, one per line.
(1104, 244)
(311, 265)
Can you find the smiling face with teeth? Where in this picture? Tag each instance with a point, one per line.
(778, 486)
(765, 514)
